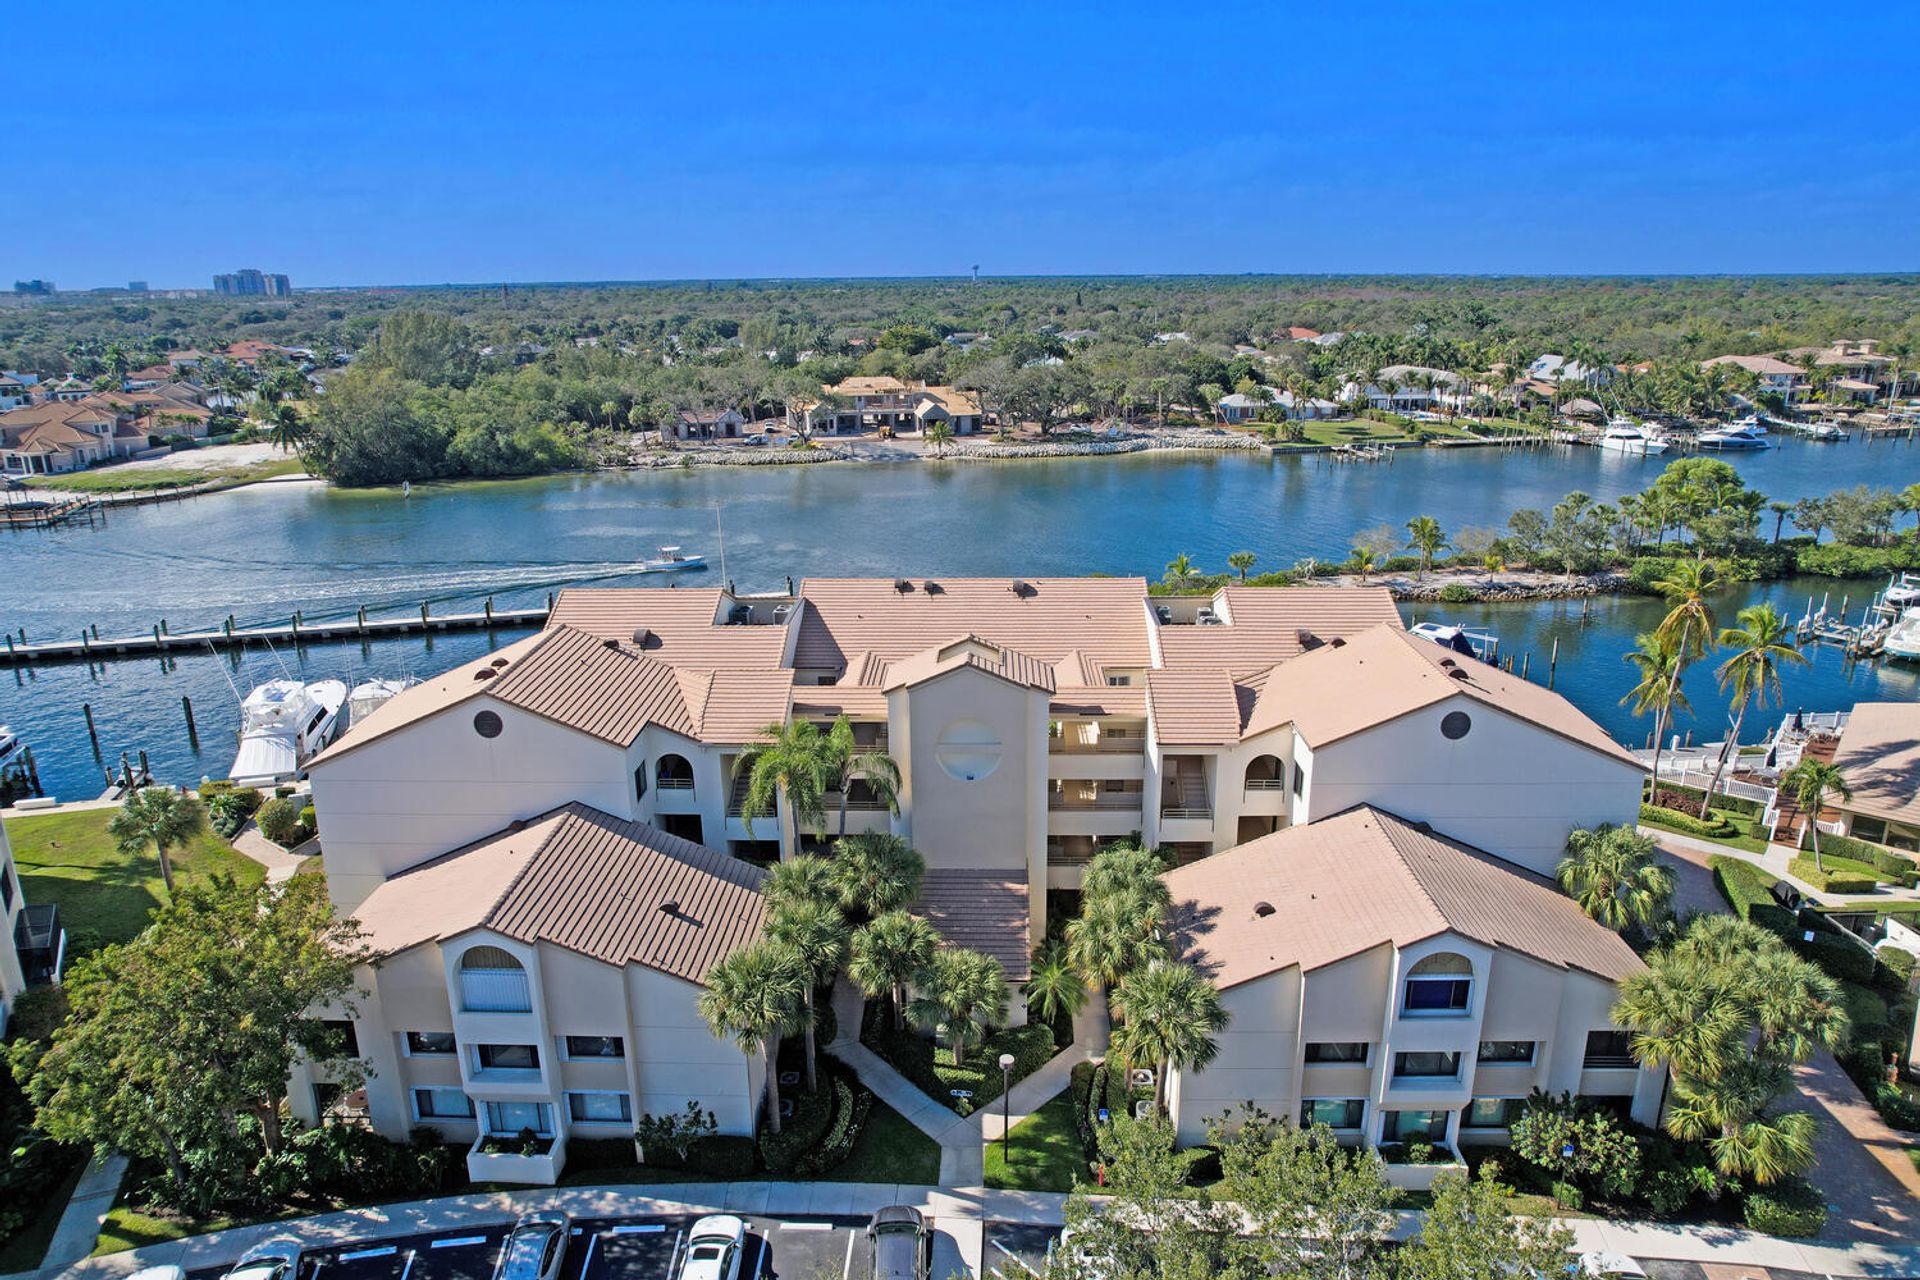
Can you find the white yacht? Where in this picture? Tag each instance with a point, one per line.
(1624, 435)
(1735, 436)
(369, 696)
(1829, 432)
(1483, 645)
(10, 745)
(671, 561)
(1903, 638)
(1902, 593)
(1752, 424)
(282, 722)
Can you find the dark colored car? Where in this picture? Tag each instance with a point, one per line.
(902, 1244)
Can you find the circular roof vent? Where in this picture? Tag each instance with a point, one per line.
(1263, 909)
(498, 663)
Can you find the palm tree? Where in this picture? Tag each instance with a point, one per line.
(1427, 538)
(1760, 644)
(1613, 873)
(1055, 990)
(876, 872)
(848, 763)
(1781, 510)
(1170, 1017)
(801, 879)
(1364, 562)
(1241, 561)
(1812, 781)
(156, 816)
(1658, 691)
(289, 429)
(1688, 629)
(961, 991)
(1181, 570)
(816, 934)
(792, 766)
(888, 954)
(753, 997)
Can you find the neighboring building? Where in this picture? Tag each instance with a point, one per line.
(1240, 408)
(38, 288)
(17, 389)
(63, 435)
(873, 403)
(1404, 388)
(1395, 984)
(1033, 721)
(1556, 369)
(1777, 377)
(32, 944)
(169, 409)
(250, 282)
(726, 424)
(1879, 756)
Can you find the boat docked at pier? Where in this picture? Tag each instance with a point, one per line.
(1624, 435)
(1744, 435)
(282, 723)
(369, 696)
(1483, 645)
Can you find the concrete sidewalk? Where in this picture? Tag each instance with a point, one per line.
(961, 1161)
(86, 1212)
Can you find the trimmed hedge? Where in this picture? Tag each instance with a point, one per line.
(1748, 890)
(1833, 879)
(1687, 823)
(1672, 795)
(820, 1134)
(1790, 1207)
(1895, 868)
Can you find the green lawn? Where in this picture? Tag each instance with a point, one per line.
(69, 859)
(123, 480)
(1902, 907)
(890, 1149)
(1744, 843)
(1046, 1152)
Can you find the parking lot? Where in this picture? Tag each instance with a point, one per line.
(1015, 1250)
(651, 1248)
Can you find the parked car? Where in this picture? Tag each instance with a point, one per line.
(1610, 1266)
(902, 1245)
(535, 1248)
(714, 1248)
(166, 1272)
(277, 1258)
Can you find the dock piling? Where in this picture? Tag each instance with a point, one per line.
(1553, 661)
(489, 612)
(193, 734)
(86, 709)
(423, 613)
(1526, 662)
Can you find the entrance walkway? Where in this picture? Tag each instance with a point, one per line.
(1861, 1163)
(961, 1161)
(86, 1212)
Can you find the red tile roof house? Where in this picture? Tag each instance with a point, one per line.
(66, 435)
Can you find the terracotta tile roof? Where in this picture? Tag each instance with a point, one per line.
(971, 651)
(1267, 624)
(605, 689)
(680, 620)
(1879, 754)
(1755, 364)
(856, 702)
(983, 911)
(620, 892)
(1384, 673)
(428, 698)
(1103, 617)
(1365, 878)
(1129, 701)
(734, 706)
(869, 385)
(1193, 708)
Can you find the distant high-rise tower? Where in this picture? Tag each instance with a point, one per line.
(136, 286)
(249, 281)
(41, 287)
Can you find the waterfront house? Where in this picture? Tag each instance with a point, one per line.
(1397, 985)
(1033, 721)
(1556, 369)
(1776, 377)
(1879, 756)
(709, 424)
(1239, 408)
(1404, 388)
(59, 436)
(875, 403)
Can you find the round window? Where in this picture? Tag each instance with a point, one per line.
(487, 724)
(1454, 725)
(968, 750)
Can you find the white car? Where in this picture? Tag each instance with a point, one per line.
(714, 1248)
(535, 1248)
(1611, 1266)
(274, 1259)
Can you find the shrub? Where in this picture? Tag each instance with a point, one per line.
(812, 1115)
(1687, 800)
(724, 1155)
(1717, 828)
(667, 1141)
(1568, 1195)
(852, 1105)
(1456, 593)
(228, 807)
(1790, 1207)
(1896, 967)
(915, 1057)
(1831, 880)
(1841, 955)
(283, 821)
(348, 1161)
(1895, 868)
(1749, 891)
(1573, 1140)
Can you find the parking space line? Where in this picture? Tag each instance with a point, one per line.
(408, 1269)
(760, 1256)
(380, 1251)
(640, 1229)
(586, 1264)
(846, 1272)
(806, 1226)
(454, 1242)
(673, 1259)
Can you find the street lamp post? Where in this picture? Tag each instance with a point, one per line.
(1006, 1106)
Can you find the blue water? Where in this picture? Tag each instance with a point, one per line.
(262, 552)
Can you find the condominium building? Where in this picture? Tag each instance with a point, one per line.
(250, 282)
(32, 943)
(567, 806)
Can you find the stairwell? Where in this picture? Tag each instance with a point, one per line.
(1792, 825)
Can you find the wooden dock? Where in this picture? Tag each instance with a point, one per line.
(91, 647)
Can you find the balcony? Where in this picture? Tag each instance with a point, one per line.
(1266, 784)
(1087, 739)
(1091, 797)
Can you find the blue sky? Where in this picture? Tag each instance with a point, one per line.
(419, 142)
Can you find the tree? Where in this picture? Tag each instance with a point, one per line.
(961, 991)
(159, 817)
(1811, 781)
(1425, 536)
(424, 346)
(176, 1036)
(876, 872)
(1123, 906)
(888, 955)
(754, 997)
(1576, 1141)
(1170, 1015)
(288, 430)
(847, 763)
(1761, 644)
(1316, 1210)
(1181, 570)
(1658, 690)
(939, 434)
(793, 765)
(803, 878)
(817, 936)
(1616, 877)
(1240, 562)
(1727, 1009)
(1468, 1234)
(1055, 990)
(368, 430)
(1363, 562)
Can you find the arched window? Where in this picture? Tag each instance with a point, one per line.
(1440, 985)
(1266, 773)
(673, 773)
(488, 958)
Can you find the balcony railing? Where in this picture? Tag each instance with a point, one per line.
(830, 801)
(1106, 745)
(1266, 784)
(1187, 811)
(674, 784)
(1607, 1062)
(1117, 801)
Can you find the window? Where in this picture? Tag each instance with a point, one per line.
(492, 981)
(512, 1117)
(640, 782)
(6, 889)
(507, 1057)
(1119, 682)
(1454, 725)
(1404, 1126)
(1608, 1050)
(343, 1036)
(1438, 986)
(596, 1047)
(1506, 1051)
(1299, 781)
(1353, 1052)
(1426, 1066)
(599, 1108)
(487, 724)
(1492, 1113)
(422, 1044)
(1335, 1113)
(442, 1104)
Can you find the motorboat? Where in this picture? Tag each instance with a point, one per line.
(1752, 424)
(1903, 637)
(10, 744)
(1735, 436)
(1828, 432)
(1902, 593)
(369, 696)
(671, 561)
(1483, 645)
(1624, 435)
(282, 723)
